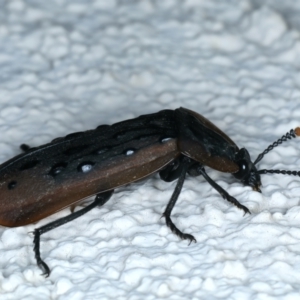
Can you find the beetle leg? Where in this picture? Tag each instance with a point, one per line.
(222, 192)
(100, 199)
(24, 147)
(173, 170)
(167, 214)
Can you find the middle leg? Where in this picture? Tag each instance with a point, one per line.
(184, 165)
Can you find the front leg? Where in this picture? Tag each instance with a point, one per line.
(222, 192)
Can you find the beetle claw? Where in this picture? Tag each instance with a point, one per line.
(186, 236)
(189, 237)
(43, 266)
(246, 210)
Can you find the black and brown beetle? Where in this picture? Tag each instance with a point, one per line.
(48, 178)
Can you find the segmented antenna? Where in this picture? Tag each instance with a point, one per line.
(289, 135)
(285, 172)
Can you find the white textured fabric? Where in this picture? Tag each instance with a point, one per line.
(68, 66)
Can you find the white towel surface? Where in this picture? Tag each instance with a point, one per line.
(68, 66)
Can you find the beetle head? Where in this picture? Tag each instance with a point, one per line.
(247, 173)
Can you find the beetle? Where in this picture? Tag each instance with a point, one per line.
(45, 179)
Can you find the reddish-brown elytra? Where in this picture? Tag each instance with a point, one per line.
(48, 178)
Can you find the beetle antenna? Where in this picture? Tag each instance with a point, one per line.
(289, 135)
(285, 172)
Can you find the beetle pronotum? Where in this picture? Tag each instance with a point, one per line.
(48, 178)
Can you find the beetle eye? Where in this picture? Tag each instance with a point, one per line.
(243, 169)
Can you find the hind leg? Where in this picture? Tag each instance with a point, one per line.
(100, 199)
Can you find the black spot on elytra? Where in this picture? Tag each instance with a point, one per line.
(29, 165)
(12, 185)
(75, 150)
(57, 168)
(85, 166)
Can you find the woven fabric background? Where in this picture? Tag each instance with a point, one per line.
(68, 66)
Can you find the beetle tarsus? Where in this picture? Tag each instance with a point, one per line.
(237, 204)
(42, 265)
(246, 211)
(191, 238)
(100, 199)
(175, 230)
